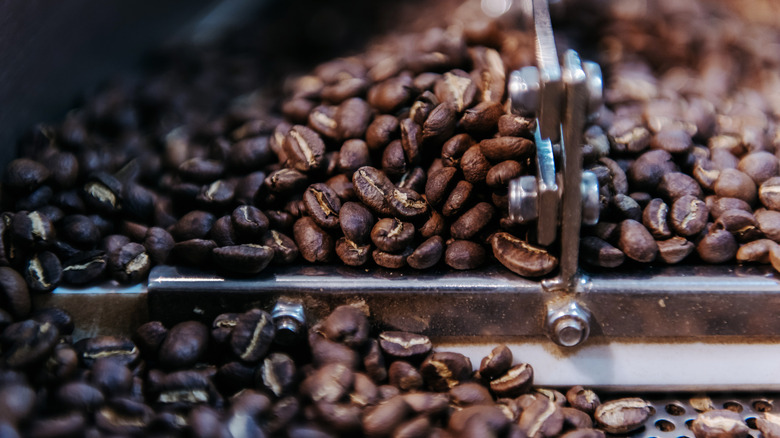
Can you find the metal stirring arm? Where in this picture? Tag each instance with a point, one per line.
(560, 193)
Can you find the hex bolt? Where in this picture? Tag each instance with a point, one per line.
(567, 323)
(290, 321)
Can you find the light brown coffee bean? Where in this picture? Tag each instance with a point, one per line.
(521, 257)
(769, 193)
(759, 165)
(756, 251)
(457, 88)
(516, 381)
(720, 423)
(734, 184)
(622, 415)
(688, 215)
(636, 242)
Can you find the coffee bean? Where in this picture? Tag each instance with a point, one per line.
(353, 155)
(769, 193)
(32, 228)
(674, 141)
(756, 251)
(422, 107)
(15, 296)
(222, 327)
(329, 383)
(483, 118)
(675, 185)
(438, 185)
(499, 176)
(373, 187)
(284, 248)
(706, 173)
(43, 272)
(381, 131)
(323, 205)
(200, 170)
(734, 184)
(407, 203)
(496, 363)
(464, 254)
(84, 267)
(322, 119)
(304, 149)
(720, 422)
(69, 424)
(404, 376)
(443, 371)
(439, 125)
(347, 325)
(575, 419)
(688, 215)
(404, 345)
(278, 373)
(427, 254)
(182, 389)
(647, 170)
(28, 342)
(472, 222)
(283, 413)
(487, 420)
(116, 348)
(456, 88)
(717, 205)
(150, 335)
(195, 252)
(392, 235)
(474, 165)
(516, 381)
(542, 418)
(457, 199)
(25, 175)
(629, 135)
(717, 246)
(674, 250)
(394, 159)
(193, 225)
(325, 351)
(184, 345)
(216, 196)
(414, 179)
(655, 218)
(510, 125)
(626, 207)
(123, 416)
(622, 415)
(356, 221)
(387, 96)
(742, 224)
(79, 396)
(352, 118)
(469, 394)
(248, 187)
(768, 223)
(314, 244)
(252, 335)
(222, 232)
(583, 399)
(390, 260)
(636, 242)
(130, 264)
(521, 257)
(506, 148)
(454, 148)
(411, 139)
(767, 424)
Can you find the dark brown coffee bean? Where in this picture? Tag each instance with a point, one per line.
(422, 107)
(674, 141)
(84, 267)
(464, 254)
(717, 205)
(356, 222)
(720, 423)
(391, 260)
(278, 373)
(18, 401)
(487, 420)
(14, 295)
(474, 165)
(414, 180)
(79, 396)
(439, 125)
(734, 184)
(706, 173)
(389, 95)
(456, 88)
(457, 199)
(506, 148)
(130, 264)
(483, 118)
(392, 235)
(636, 242)
(381, 131)
(330, 383)
(438, 185)
(43, 271)
(628, 135)
(622, 415)
(373, 187)
(123, 416)
(411, 139)
(347, 325)
(394, 159)
(322, 119)
(352, 118)
(248, 187)
(117, 348)
(756, 251)
(149, 336)
(647, 170)
(407, 203)
(325, 351)
(70, 424)
(542, 418)
(246, 258)
(25, 175)
(249, 154)
(521, 257)
(443, 371)
(184, 345)
(382, 419)
(496, 363)
(717, 246)
(374, 361)
(742, 224)
(427, 254)
(510, 125)
(516, 381)
(249, 223)
(404, 376)
(284, 181)
(28, 342)
(769, 193)
(675, 185)
(201, 170)
(575, 419)
(32, 228)
(196, 252)
(617, 182)
(404, 345)
(217, 195)
(284, 248)
(499, 176)
(688, 215)
(769, 223)
(674, 250)
(79, 231)
(323, 205)
(222, 232)
(469, 394)
(655, 218)
(583, 399)
(472, 222)
(252, 336)
(314, 244)
(222, 327)
(626, 207)
(304, 148)
(759, 166)
(193, 225)
(353, 155)
(454, 148)
(158, 244)
(182, 389)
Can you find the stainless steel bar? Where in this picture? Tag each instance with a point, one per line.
(549, 72)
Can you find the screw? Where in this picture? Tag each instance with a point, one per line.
(290, 321)
(568, 323)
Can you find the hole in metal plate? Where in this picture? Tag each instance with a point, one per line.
(675, 409)
(762, 406)
(751, 422)
(664, 425)
(733, 406)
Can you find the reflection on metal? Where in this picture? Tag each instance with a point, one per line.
(567, 322)
(290, 320)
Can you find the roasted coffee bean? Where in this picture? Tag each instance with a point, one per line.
(628, 135)
(14, 294)
(79, 231)
(79, 396)
(130, 264)
(25, 175)
(69, 424)
(674, 250)
(575, 419)
(516, 381)
(427, 254)
(387, 96)
(123, 416)
(216, 196)
(688, 215)
(322, 119)
(18, 401)
(200, 170)
(323, 205)
(464, 254)
(636, 242)
(347, 325)
(583, 399)
(769, 223)
(342, 185)
(438, 186)
(496, 363)
(472, 222)
(284, 248)
(117, 348)
(193, 225)
(394, 159)
(422, 107)
(353, 155)
(329, 383)
(474, 165)
(222, 232)
(521, 257)
(542, 418)
(84, 267)
(150, 335)
(411, 139)
(314, 244)
(674, 141)
(283, 181)
(249, 223)
(453, 149)
(482, 119)
(491, 419)
(32, 228)
(768, 424)
(706, 173)
(390, 260)
(248, 187)
(506, 148)
(456, 88)
(184, 345)
(43, 272)
(252, 335)
(28, 342)
(626, 207)
(443, 371)
(675, 185)
(392, 235)
(469, 394)
(404, 345)
(385, 417)
(439, 125)
(734, 184)
(182, 389)
(755, 251)
(622, 415)
(414, 180)
(278, 373)
(304, 148)
(647, 170)
(222, 327)
(138, 202)
(740, 223)
(352, 118)
(719, 423)
(373, 187)
(769, 193)
(499, 176)
(717, 246)
(381, 131)
(407, 204)
(404, 376)
(717, 205)
(374, 361)
(325, 351)
(196, 252)
(158, 244)
(457, 199)
(655, 218)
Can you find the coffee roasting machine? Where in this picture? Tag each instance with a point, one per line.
(656, 328)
